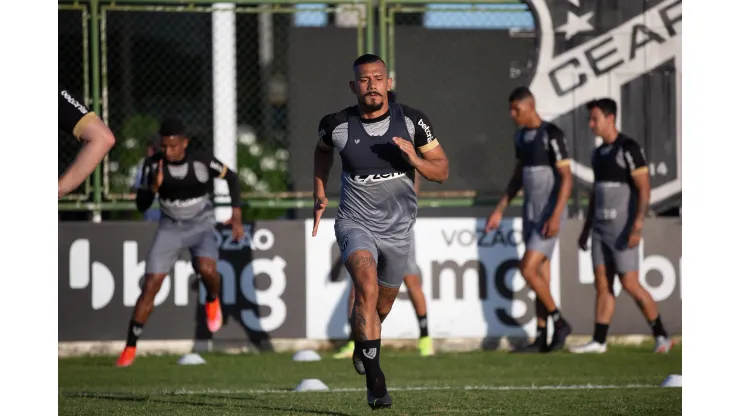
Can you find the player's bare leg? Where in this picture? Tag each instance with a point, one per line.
(208, 271)
(416, 294)
(605, 304)
(143, 309)
(371, 301)
(530, 270)
(646, 303)
(349, 348)
(540, 340)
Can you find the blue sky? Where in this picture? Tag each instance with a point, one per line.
(500, 17)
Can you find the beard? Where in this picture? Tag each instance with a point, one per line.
(369, 105)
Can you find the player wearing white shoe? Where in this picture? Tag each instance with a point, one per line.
(619, 202)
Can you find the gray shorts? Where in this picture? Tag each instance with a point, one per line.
(390, 253)
(535, 241)
(199, 237)
(613, 255)
(412, 268)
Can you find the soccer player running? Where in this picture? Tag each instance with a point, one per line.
(85, 125)
(618, 204)
(377, 142)
(183, 181)
(543, 171)
(412, 280)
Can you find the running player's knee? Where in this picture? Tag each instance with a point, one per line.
(361, 265)
(208, 270)
(366, 294)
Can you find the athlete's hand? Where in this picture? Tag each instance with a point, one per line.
(635, 237)
(583, 240)
(494, 221)
(551, 227)
(319, 205)
(159, 178)
(408, 151)
(237, 228)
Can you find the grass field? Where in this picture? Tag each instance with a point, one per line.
(625, 381)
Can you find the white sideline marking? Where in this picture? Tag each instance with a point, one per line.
(423, 388)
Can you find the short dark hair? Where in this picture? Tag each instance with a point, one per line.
(520, 93)
(171, 127)
(367, 58)
(606, 105)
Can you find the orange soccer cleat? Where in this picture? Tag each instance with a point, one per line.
(214, 318)
(127, 357)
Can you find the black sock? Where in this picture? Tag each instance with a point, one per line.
(423, 330)
(374, 377)
(600, 331)
(134, 332)
(658, 330)
(540, 337)
(557, 318)
(210, 298)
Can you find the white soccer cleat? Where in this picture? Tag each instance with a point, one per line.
(592, 347)
(663, 345)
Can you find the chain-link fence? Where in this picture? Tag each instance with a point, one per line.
(74, 76)
(457, 63)
(160, 61)
(252, 86)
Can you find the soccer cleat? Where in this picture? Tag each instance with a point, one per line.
(663, 345)
(127, 357)
(558, 338)
(592, 347)
(357, 362)
(426, 346)
(379, 403)
(346, 351)
(214, 317)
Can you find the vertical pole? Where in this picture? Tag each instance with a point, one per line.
(369, 26)
(224, 95)
(95, 57)
(383, 28)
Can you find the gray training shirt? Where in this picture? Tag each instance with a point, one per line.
(541, 151)
(377, 183)
(615, 196)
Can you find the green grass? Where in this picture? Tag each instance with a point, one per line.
(262, 384)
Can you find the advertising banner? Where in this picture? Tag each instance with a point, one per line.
(101, 271)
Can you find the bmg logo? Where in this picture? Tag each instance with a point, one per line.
(83, 274)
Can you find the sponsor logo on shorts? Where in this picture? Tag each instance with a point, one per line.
(376, 177)
(343, 246)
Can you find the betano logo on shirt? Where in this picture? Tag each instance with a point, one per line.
(74, 102)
